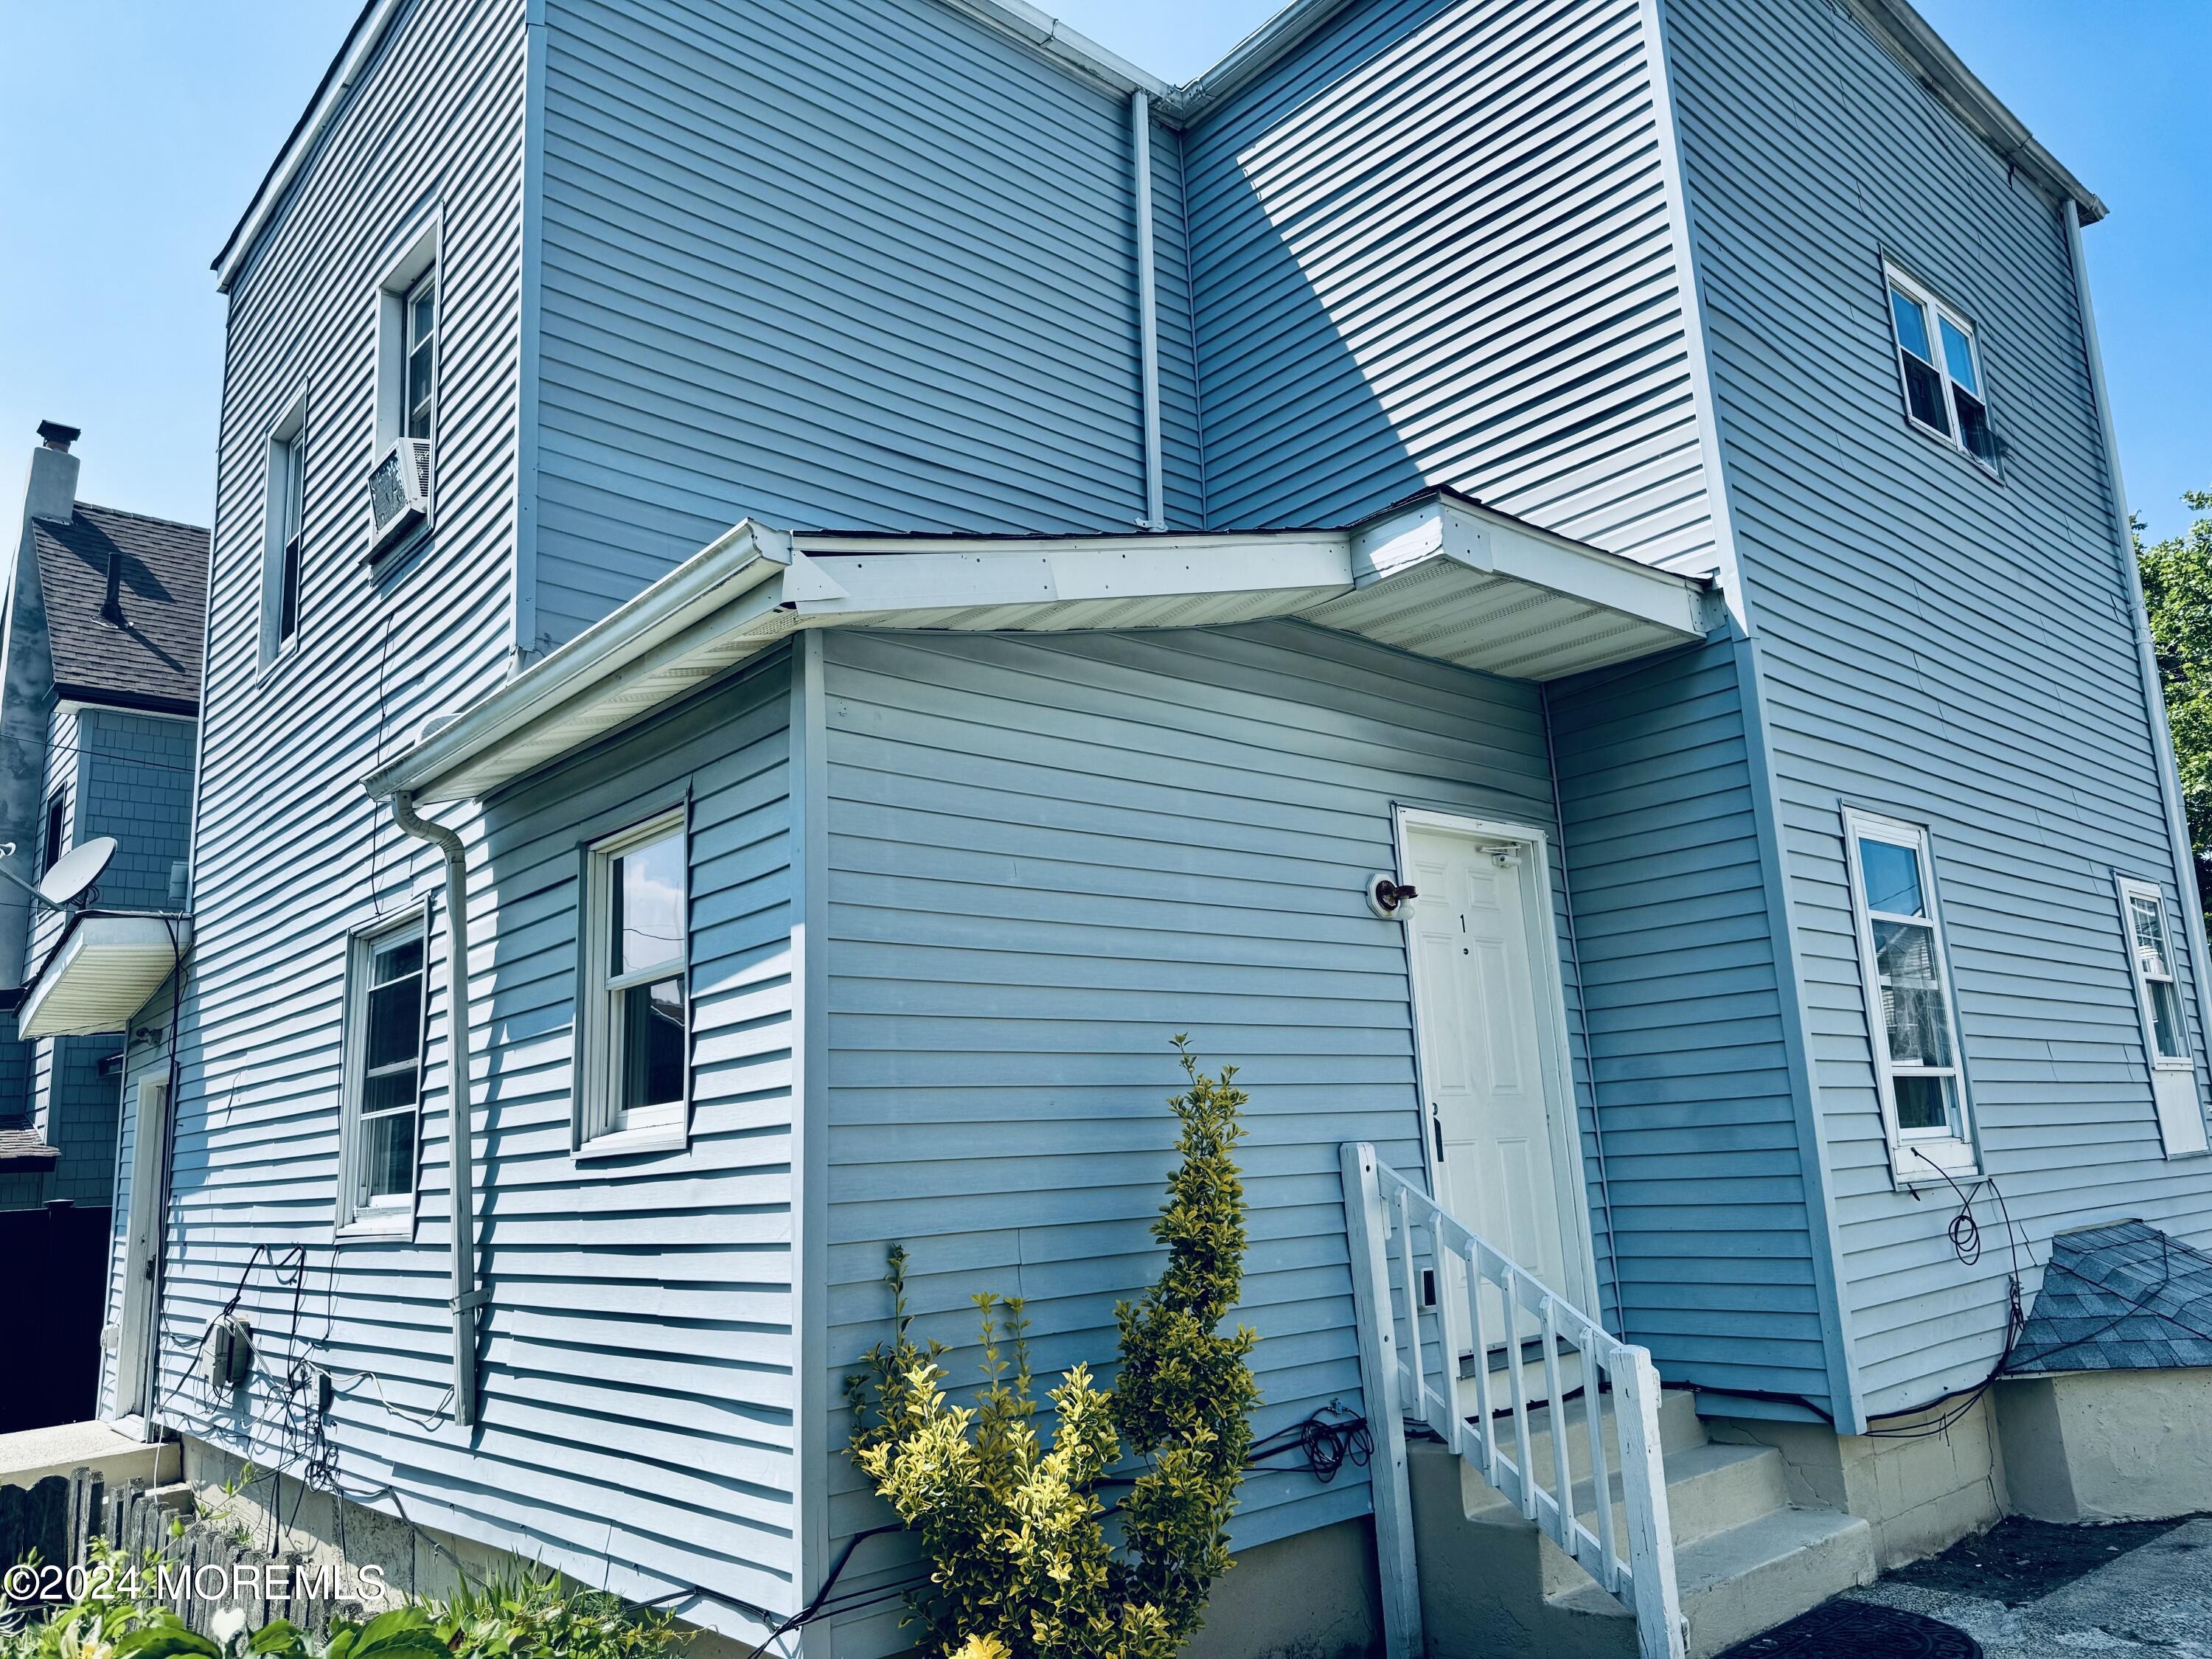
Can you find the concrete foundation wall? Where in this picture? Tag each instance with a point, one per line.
(2096, 1446)
(1312, 1595)
(1922, 1488)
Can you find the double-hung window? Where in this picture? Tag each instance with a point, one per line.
(2165, 1026)
(419, 398)
(1936, 355)
(286, 516)
(291, 482)
(1908, 989)
(384, 1021)
(634, 1041)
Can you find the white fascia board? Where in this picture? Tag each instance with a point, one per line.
(1250, 57)
(1446, 526)
(628, 639)
(1905, 34)
(368, 32)
(936, 577)
(1053, 38)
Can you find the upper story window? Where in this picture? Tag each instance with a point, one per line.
(286, 516)
(1908, 987)
(409, 318)
(634, 1038)
(2151, 956)
(386, 1014)
(1941, 367)
(51, 849)
(421, 392)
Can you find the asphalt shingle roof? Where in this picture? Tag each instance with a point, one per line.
(22, 1149)
(153, 660)
(2125, 1297)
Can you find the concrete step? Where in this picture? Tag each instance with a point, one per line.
(1752, 1578)
(1710, 1489)
(1680, 1432)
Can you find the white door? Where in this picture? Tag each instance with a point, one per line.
(1483, 1038)
(141, 1248)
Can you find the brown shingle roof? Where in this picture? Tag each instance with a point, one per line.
(22, 1149)
(151, 661)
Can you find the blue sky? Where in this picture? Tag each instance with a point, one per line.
(136, 130)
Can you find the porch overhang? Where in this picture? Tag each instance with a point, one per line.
(105, 970)
(1439, 577)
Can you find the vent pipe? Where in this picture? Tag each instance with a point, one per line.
(111, 608)
(1148, 307)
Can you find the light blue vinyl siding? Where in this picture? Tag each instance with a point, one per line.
(1047, 854)
(861, 266)
(1936, 645)
(636, 1351)
(1432, 246)
(1703, 1159)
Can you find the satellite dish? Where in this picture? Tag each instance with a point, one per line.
(76, 870)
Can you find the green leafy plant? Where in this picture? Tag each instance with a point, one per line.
(94, 1627)
(1016, 1529)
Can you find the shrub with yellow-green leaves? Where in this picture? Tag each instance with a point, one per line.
(1016, 1529)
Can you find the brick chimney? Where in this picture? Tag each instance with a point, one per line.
(51, 492)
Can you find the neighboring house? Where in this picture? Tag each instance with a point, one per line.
(102, 675)
(98, 697)
(1635, 473)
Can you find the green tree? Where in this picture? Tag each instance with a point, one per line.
(2176, 582)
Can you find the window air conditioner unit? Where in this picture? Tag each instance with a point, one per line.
(399, 488)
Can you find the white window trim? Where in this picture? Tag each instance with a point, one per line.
(1917, 1156)
(1938, 312)
(397, 1217)
(2175, 1100)
(417, 254)
(289, 427)
(596, 1133)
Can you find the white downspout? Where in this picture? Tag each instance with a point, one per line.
(2169, 778)
(1148, 307)
(460, 1105)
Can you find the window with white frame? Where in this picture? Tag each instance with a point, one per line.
(634, 1051)
(2147, 925)
(2156, 986)
(285, 514)
(1908, 988)
(1940, 364)
(419, 370)
(385, 1016)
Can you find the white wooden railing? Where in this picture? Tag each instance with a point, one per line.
(1395, 1228)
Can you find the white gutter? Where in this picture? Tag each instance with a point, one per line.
(460, 1105)
(1148, 307)
(1065, 46)
(367, 32)
(2169, 776)
(730, 566)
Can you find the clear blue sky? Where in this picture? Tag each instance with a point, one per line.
(134, 131)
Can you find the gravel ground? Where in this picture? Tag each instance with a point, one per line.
(2027, 1590)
